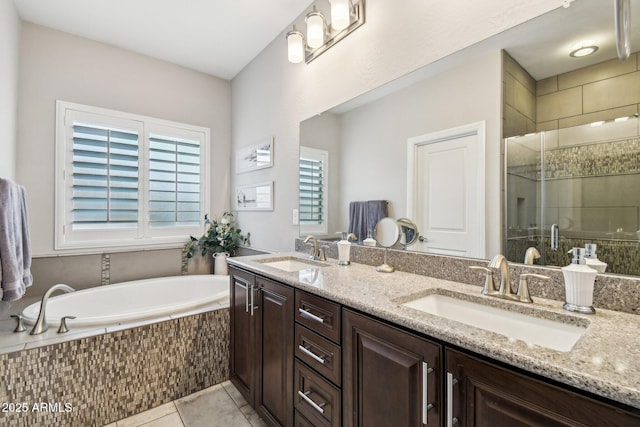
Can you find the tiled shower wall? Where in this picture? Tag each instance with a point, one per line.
(602, 91)
(100, 379)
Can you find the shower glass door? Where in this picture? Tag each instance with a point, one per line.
(582, 180)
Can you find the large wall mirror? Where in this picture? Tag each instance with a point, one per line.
(365, 139)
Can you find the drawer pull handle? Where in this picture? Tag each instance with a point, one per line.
(317, 407)
(426, 406)
(305, 350)
(310, 316)
(451, 420)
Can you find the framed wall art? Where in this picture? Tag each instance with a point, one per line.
(254, 197)
(255, 157)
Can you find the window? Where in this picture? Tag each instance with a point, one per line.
(127, 180)
(313, 187)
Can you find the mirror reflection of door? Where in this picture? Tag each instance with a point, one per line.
(446, 190)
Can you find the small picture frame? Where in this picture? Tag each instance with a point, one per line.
(254, 197)
(256, 156)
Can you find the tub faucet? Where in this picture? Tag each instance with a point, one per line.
(41, 324)
(531, 255)
(315, 253)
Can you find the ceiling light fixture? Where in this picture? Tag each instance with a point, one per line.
(583, 48)
(346, 17)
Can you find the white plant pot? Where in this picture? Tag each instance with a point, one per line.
(220, 263)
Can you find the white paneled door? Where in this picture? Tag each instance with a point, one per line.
(446, 190)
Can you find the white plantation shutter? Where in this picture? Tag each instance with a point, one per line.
(127, 180)
(312, 190)
(174, 181)
(105, 177)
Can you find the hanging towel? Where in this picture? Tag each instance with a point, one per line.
(363, 216)
(15, 250)
(358, 219)
(376, 210)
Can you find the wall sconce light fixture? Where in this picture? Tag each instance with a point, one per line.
(346, 17)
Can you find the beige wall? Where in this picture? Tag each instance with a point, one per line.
(374, 137)
(599, 92)
(59, 66)
(9, 45)
(272, 96)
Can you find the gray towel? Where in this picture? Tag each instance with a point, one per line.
(363, 217)
(15, 251)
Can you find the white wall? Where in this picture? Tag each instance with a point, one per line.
(374, 136)
(9, 45)
(271, 96)
(323, 132)
(56, 65)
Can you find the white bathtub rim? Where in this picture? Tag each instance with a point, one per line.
(30, 313)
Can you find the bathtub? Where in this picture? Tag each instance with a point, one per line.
(131, 301)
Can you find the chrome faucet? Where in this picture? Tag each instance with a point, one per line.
(500, 262)
(41, 324)
(315, 252)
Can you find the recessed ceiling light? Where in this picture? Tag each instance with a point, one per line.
(621, 119)
(583, 48)
(598, 123)
(583, 51)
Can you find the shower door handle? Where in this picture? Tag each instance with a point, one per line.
(555, 237)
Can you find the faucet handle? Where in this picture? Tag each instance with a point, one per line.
(523, 286)
(63, 324)
(323, 255)
(20, 325)
(489, 286)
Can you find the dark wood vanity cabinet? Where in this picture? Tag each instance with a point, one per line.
(302, 360)
(262, 345)
(390, 377)
(484, 394)
(318, 364)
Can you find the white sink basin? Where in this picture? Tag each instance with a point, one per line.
(543, 332)
(292, 264)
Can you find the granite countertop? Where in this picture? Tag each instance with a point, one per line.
(605, 360)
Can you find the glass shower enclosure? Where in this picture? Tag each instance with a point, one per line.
(572, 186)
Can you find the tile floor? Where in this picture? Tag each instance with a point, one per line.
(220, 405)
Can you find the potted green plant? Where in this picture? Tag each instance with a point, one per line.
(221, 239)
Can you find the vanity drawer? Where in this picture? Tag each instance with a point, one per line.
(316, 398)
(301, 421)
(319, 315)
(321, 354)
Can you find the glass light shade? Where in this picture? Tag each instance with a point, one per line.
(295, 46)
(340, 14)
(315, 30)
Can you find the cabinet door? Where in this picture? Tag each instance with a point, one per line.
(242, 339)
(391, 377)
(484, 394)
(274, 333)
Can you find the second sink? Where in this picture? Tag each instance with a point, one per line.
(291, 264)
(547, 333)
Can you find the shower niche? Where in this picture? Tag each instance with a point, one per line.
(582, 181)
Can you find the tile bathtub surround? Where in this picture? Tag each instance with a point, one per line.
(100, 379)
(611, 292)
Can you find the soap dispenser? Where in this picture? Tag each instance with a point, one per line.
(369, 241)
(578, 284)
(344, 247)
(591, 258)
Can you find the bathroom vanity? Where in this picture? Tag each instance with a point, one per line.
(318, 344)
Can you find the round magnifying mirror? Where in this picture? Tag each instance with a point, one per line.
(387, 234)
(408, 232)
